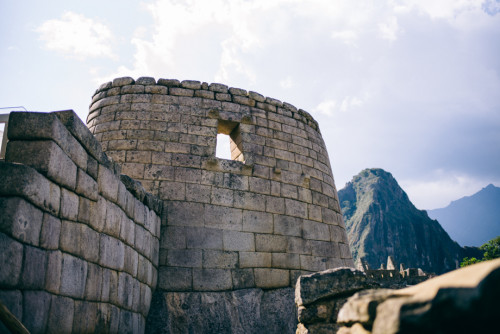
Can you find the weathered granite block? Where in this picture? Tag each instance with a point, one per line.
(53, 272)
(221, 217)
(286, 225)
(20, 219)
(107, 183)
(36, 306)
(11, 259)
(271, 278)
(111, 252)
(34, 268)
(255, 259)
(238, 241)
(73, 276)
(256, 221)
(69, 205)
(61, 315)
(94, 282)
(13, 301)
(175, 279)
(51, 230)
(184, 258)
(270, 243)
(46, 157)
(200, 237)
(316, 231)
(23, 181)
(285, 261)
(85, 317)
(86, 185)
(212, 279)
(219, 259)
(125, 290)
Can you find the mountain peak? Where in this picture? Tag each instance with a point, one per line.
(381, 221)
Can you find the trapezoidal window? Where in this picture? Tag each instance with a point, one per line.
(229, 144)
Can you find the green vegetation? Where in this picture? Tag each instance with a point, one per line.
(491, 251)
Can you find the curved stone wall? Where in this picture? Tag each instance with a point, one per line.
(259, 220)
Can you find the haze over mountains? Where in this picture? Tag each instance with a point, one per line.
(472, 220)
(381, 221)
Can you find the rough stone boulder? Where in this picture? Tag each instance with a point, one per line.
(319, 297)
(462, 301)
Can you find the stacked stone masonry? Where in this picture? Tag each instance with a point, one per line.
(79, 244)
(259, 220)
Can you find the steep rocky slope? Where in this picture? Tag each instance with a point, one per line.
(382, 221)
(472, 220)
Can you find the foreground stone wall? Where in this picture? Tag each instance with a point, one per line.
(258, 220)
(78, 245)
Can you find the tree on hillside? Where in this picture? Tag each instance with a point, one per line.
(491, 251)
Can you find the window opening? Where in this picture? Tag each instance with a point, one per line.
(229, 143)
(4, 119)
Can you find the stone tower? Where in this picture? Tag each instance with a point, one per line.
(258, 220)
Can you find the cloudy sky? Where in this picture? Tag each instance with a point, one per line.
(411, 86)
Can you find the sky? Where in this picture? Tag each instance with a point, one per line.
(410, 86)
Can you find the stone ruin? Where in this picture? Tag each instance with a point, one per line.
(133, 224)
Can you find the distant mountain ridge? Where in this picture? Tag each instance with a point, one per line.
(472, 220)
(381, 221)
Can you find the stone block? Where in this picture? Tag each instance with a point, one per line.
(270, 243)
(271, 278)
(285, 261)
(221, 196)
(212, 279)
(219, 259)
(11, 259)
(98, 214)
(204, 238)
(89, 246)
(46, 157)
(313, 263)
(127, 231)
(298, 246)
(243, 278)
(145, 299)
(316, 231)
(20, 219)
(109, 287)
(53, 272)
(34, 266)
(345, 252)
(84, 210)
(238, 241)
(61, 315)
(111, 252)
(131, 261)
(113, 222)
(223, 217)
(295, 208)
(251, 201)
(23, 181)
(69, 205)
(107, 183)
(173, 237)
(324, 248)
(338, 234)
(255, 259)
(125, 290)
(173, 191)
(287, 225)
(185, 214)
(73, 276)
(36, 306)
(94, 282)
(71, 237)
(256, 221)
(13, 301)
(86, 185)
(184, 258)
(275, 205)
(198, 193)
(175, 279)
(85, 317)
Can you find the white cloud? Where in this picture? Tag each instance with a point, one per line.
(77, 36)
(326, 107)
